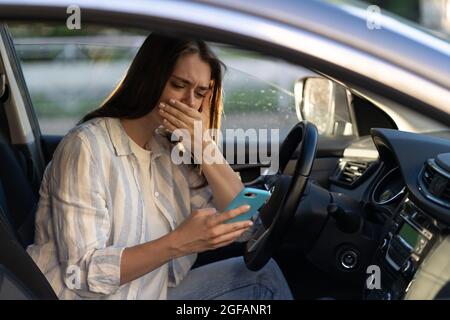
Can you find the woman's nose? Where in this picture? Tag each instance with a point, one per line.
(188, 98)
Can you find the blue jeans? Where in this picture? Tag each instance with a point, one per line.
(231, 280)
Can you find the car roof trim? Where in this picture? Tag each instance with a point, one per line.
(260, 30)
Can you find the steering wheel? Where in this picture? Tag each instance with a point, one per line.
(287, 192)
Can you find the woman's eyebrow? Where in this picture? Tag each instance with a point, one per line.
(188, 82)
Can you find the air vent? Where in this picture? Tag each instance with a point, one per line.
(350, 173)
(434, 180)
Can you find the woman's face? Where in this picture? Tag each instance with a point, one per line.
(189, 82)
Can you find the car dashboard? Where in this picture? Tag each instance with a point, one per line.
(406, 190)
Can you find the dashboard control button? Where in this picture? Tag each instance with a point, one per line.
(348, 259)
(408, 268)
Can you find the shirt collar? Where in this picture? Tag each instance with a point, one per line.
(121, 141)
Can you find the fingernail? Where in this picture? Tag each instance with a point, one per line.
(172, 101)
(162, 105)
(161, 111)
(246, 207)
(250, 224)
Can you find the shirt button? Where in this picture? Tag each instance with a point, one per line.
(156, 194)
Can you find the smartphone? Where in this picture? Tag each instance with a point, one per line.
(255, 198)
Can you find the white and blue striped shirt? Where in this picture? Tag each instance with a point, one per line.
(92, 207)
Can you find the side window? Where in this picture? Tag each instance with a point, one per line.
(258, 91)
(262, 93)
(70, 72)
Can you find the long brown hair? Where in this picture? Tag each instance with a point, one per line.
(141, 88)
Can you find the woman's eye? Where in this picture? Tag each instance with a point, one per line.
(200, 94)
(177, 85)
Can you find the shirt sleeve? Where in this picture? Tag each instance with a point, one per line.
(200, 191)
(81, 221)
(201, 194)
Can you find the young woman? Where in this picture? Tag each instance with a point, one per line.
(118, 219)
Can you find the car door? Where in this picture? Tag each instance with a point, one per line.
(67, 76)
(19, 125)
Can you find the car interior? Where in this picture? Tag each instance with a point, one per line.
(359, 208)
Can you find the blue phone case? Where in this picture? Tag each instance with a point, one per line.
(255, 198)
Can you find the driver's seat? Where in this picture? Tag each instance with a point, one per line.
(20, 277)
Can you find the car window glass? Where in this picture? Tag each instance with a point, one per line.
(70, 72)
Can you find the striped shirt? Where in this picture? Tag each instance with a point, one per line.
(93, 205)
